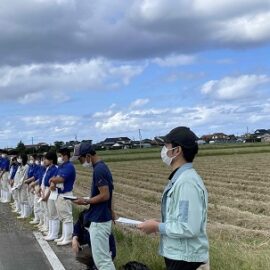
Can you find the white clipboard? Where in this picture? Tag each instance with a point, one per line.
(128, 221)
(69, 197)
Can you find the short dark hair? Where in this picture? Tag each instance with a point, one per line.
(51, 156)
(92, 152)
(24, 159)
(65, 151)
(188, 153)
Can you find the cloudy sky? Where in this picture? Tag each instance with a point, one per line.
(97, 69)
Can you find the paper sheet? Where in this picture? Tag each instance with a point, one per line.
(127, 221)
(53, 195)
(69, 197)
(14, 188)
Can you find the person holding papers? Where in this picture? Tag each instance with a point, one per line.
(100, 213)
(183, 238)
(63, 183)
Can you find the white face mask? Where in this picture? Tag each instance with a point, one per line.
(3, 155)
(19, 160)
(86, 164)
(37, 162)
(42, 163)
(167, 160)
(31, 162)
(60, 160)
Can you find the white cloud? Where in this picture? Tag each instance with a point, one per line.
(126, 72)
(252, 28)
(231, 88)
(31, 98)
(139, 102)
(31, 83)
(102, 114)
(202, 118)
(175, 60)
(41, 120)
(153, 122)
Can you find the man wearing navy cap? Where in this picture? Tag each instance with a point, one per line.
(63, 183)
(183, 237)
(100, 212)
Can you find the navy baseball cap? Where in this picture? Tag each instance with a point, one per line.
(182, 136)
(63, 150)
(81, 149)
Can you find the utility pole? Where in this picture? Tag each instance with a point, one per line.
(140, 136)
(33, 145)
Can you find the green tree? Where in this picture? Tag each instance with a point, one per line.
(58, 145)
(21, 148)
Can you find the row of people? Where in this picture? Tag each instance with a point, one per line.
(40, 185)
(182, 229)
(34, 184)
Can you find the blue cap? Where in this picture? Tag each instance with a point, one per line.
(81, 149)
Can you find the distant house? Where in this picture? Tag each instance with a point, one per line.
(265, 138)
(232, 138)
(206, 138)
(158, 141)
(220, 137)
(252, 138)
(260, 132)
(136, 144)
(36, 146)
(146, 143)
(216, 137)
(116, 143)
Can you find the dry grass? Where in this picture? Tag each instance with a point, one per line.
(239, 209)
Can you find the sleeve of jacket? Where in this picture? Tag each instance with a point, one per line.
(185, 212)
(24, 175)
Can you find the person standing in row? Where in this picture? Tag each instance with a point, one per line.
(50, 161)
(34, 187)
(20, 192)
(63, 183)
(50, 170)
(183, 237)
(31, 177)
(100, 212)
(5, 194)
(12, 173)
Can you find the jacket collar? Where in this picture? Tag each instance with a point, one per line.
(183, 168)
